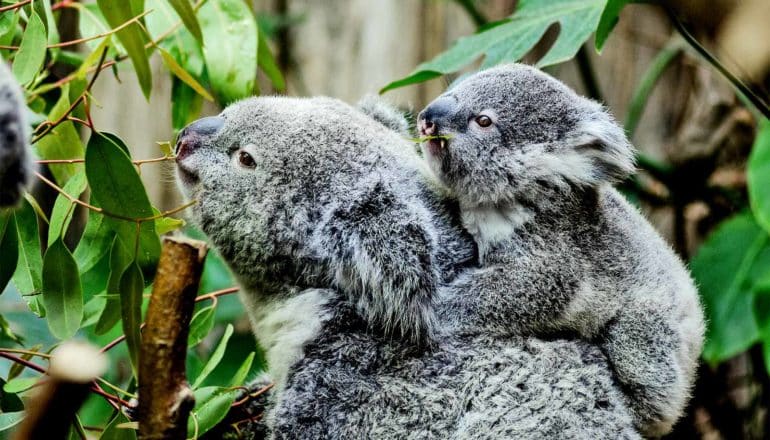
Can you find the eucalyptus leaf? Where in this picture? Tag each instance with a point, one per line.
(63, 142)
(95, 243)
(31, 54)
(230, 51)
(62, 293)
(216, 357)
(131, 288)
(115, 432)
(10, 419)
(182, 74)
(118, 12)
(186, 12)
(63, 209)
(608, 21)
(117, 186)
(9, 248)
(186, 104)
(240, 376)
(201, 324)
(28, 277)
(211, 406)
(20, 384)
(120, 259)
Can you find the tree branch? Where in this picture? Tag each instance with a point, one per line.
(165, 397)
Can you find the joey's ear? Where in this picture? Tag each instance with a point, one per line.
(601, 141)
(384, 113)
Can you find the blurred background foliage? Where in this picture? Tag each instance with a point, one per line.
(688, 78)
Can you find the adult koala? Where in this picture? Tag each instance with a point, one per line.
(339, 238)
(15, 159)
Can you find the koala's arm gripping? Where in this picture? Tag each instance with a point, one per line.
(380, 254)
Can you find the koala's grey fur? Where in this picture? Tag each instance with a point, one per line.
(560, 249)
(15, 158)
(342, 242)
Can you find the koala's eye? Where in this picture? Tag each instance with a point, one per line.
(246, 160)
(483, 121)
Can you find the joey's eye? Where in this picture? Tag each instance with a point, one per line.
(483, 121)
(246, 160)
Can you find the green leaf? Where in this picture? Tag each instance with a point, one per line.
(10, 419)
(131, 288)
(63, 142)
(230, 32)
(62, 293)
(7, 333)
(9, 402)
(120, 259)
(185, 104)
(211, 406)
(118, 12)
(759, 176)
(29, 59)
(93, 57)
(608, 21)
(164, 225)
(182, 74)
(117, 186)
(95, 243)
(20, 384)
(180, 43)
(267, 63)
(215, 358)
(62, 212)
(726, 268)
(28, 277)
(186, 12)
(113, 432)
(9, 248)
(243, 371)
(201, 324)
(509, 40)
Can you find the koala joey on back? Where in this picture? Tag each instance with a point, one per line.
(531, 164)
(342, 240)
(15, 159)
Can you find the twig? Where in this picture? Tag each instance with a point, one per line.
(165, 397)
(587, 74)
(48, 126)
(253, 395)
(74, 199)
(212, 295)
(93, 37)
(135, 162)
(742, 88)
(15, 5)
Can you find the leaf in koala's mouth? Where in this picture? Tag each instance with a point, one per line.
(421, 139)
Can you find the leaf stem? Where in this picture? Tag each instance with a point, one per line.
(742, 88)
(135, 162)
(15, 6)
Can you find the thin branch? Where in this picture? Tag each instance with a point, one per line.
(212, 295)
(27, 352)
(48, 126)
(76, 200)
(15, 6)
(135, 162)
(253, 395)
(742, 88)
(587, 74)
(93, 37)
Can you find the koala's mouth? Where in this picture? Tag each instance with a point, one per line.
(435, 145)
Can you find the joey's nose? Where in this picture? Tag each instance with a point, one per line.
(192, 136)
(436, 115)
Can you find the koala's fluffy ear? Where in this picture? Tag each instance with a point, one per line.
(384, 113)
(601, 148)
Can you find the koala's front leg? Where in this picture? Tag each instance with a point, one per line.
(643, 349)
(380, 252)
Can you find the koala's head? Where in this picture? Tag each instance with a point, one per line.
(15, 159)
(261, 169)
(513, 134)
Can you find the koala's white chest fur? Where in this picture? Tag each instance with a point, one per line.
(490, 225)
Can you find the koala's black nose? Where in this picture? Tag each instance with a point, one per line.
(191, 137)
(436, 115)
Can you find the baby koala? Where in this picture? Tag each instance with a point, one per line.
(531, 164)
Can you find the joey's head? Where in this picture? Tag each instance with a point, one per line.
(515, 135)
(260, 171)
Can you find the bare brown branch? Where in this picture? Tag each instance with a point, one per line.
(165, 397)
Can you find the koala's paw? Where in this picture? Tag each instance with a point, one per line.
(15, 160)
(642, 350)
